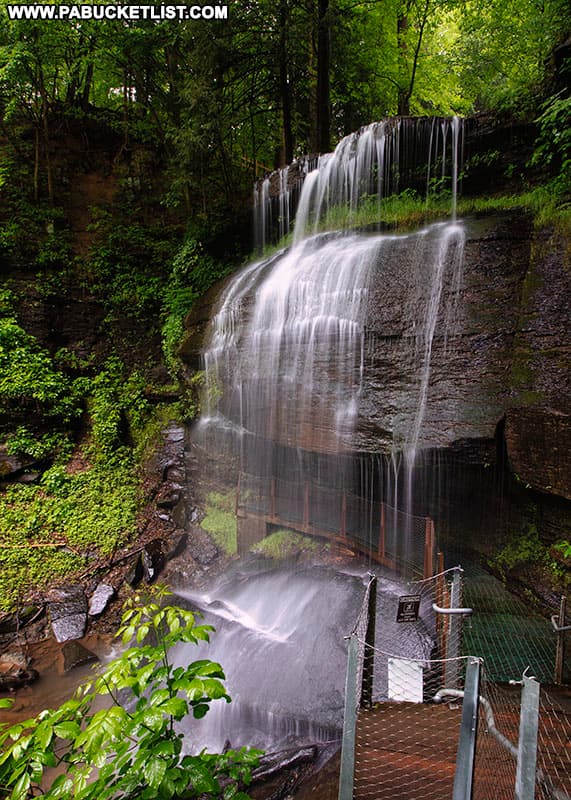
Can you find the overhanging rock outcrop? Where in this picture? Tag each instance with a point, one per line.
(504, 352)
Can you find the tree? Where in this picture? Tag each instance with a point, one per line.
(131, 748)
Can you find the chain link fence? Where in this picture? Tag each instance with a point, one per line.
(407, 727)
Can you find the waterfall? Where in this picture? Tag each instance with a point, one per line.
(286, 361)
(377, 162)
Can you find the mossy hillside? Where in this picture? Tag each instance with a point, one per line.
(87, 439)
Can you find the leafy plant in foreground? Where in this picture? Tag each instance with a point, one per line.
(130, 748)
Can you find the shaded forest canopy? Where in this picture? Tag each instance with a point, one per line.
(221, 100)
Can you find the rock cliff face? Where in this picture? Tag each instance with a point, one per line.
(504, 355)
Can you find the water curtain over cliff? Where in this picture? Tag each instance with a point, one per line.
(286, 362)
(380, 160)
(286, 353)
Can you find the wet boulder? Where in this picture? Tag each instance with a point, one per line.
(100, 599)
(76, 655)
(153, 559)
(67, 611)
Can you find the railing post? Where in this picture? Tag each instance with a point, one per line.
(527, 742)
(347, 773)
(464, 774)
(560, 646)
(428, 548)
(343, 530)
(369, 654)
(382, 542)
(439, 592)
(454, 643)
(238, 493)
(273, 497)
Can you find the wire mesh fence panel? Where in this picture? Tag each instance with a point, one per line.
(325, 508)
(406, 751)
(254, 493)
(507, 633)
(289, 500)
(496, 751)
(554, 748)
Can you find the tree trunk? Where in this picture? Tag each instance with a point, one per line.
(323, 82)
(403, 99)
(285, 89)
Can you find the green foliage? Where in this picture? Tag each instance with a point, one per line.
(220, 520)
(524, 549)
(192, 273)
(28, 376)
(553, 146)
(50, 528)
(285, 544)
(131, 748)
(117, 406)
(128, 264)
(565, 548)
(91, 512)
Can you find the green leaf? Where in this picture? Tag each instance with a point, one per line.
(67, 730)
(44, 734)
(200, 777)
(154, 770)
(6, 702)
(200, 711)
(153, 719)
(20, 790)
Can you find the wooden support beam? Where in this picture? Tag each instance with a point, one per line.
(382, 529)
(428, 570)
(343, 530)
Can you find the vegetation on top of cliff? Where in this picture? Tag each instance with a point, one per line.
(114, 752)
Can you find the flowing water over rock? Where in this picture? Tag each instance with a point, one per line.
(280, 638)
(284, 364)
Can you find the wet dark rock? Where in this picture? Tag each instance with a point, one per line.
(153, 559)
(10, 681)
(539, 448)
(76, 655)
(11, 465)
(13, 622)
(169, 500)
(178, 545)
(202, 549)
(67, 611)
(135, 573)
(100, 599)
(29, 477)
(175, 434)
(13, 659)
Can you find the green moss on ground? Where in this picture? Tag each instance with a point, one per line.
(220, 521)
(285, 544)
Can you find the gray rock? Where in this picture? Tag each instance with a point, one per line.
(174, 434)
(67, 611)
(203, 551)
(100, 598)
(70, 627)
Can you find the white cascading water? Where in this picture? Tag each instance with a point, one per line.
(284, 369)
